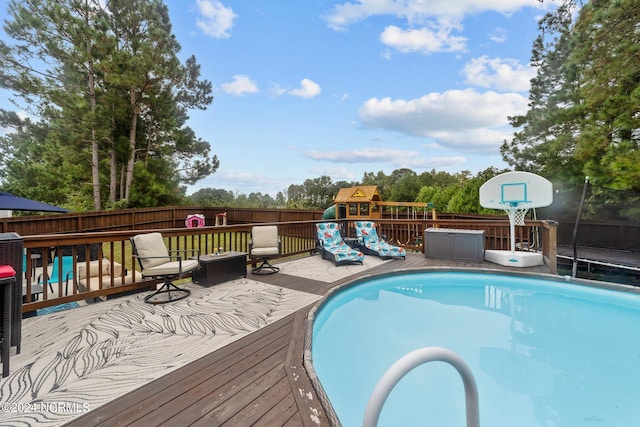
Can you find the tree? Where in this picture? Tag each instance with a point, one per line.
(52, 63)
(295, 196)
(544, 142)
(606, 39)
(23, 170)
(145, 62)
(381, 180)
(212, 197)
(467, 197)
(280, 201)
(583, 117)
(406, 188)
(106, 81)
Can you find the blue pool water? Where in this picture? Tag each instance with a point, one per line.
(543, 353)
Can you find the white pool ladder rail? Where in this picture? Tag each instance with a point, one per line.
(411, 360)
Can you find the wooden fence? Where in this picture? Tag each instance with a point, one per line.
(145, 219)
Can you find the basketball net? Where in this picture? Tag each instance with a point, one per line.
(518, 212)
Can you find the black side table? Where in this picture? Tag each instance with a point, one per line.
(352, 242)
(216, 269)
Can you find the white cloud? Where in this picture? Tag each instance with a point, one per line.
(364, 155)
(277, 89)
(499, 73)
(243, 183)
(430, 24)
(459, 119)
(216, 20)
(417, 11)
(424, 40)
(243, 178)
(240, 85)
(446, 162)
(308, 89)
(400, 158)
(396, 157)
(336, 173)
(499, 35)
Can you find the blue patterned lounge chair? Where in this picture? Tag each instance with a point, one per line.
(331, 245)
(371, 244)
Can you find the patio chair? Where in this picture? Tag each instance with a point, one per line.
(62, 264)
(371, 244)
(265, 244)
(157, 262)
(331, 245)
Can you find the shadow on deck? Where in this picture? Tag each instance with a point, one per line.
(257, 380)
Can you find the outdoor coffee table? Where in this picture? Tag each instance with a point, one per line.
(220, 268)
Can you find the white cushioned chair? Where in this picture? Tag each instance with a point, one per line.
(157, 262)
(264, 244)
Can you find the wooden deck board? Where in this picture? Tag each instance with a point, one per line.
(286, 407)
(257, 380)
(236, 356)
(233, 386)
(263, 402)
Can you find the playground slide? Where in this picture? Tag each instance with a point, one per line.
(330, 212)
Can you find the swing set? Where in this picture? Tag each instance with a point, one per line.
(363, 202)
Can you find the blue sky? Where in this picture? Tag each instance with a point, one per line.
(305, 88)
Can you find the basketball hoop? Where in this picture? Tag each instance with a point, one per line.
(516, 193)
(518, 212)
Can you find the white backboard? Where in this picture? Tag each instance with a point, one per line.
(523, 189)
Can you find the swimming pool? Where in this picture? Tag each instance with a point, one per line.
(543, 352)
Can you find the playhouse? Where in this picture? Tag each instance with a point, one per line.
(363, 201)
(195, 221)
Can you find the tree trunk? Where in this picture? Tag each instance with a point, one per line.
(95, 159)
(113, 176)
(132, 150)
(113, 169)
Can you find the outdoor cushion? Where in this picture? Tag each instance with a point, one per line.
(169, 268)
(151, 245)
(6, 271)
(331, 242)
(264, 241)
(368, 236)
(91, 277)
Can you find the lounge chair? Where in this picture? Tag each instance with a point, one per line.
(331, 245)
(371, 244)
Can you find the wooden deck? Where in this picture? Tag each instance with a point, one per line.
(258, 380)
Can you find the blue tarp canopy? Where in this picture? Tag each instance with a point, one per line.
(9, 202)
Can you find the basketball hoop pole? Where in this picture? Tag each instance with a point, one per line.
(512, 230)
(516, 214)
(511, 212)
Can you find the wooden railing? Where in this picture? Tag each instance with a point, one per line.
(297, 238)
(146, 219)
